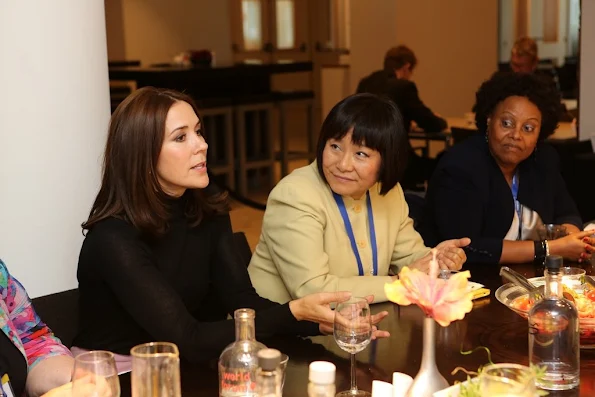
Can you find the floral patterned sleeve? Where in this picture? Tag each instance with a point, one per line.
(33, 336)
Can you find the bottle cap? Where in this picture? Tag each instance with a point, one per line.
(269, 359)
(322, 372)
(553, 263)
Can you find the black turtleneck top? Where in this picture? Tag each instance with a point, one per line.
(177, 288)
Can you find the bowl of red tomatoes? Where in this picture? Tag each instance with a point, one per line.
(517, 299)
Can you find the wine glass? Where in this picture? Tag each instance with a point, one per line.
(353, 332)
(95, 375)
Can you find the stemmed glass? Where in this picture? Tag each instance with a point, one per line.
(95, 375)
(353, 332)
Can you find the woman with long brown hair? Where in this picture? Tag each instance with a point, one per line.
(158, 261)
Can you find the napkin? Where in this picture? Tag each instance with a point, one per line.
(381, 389)
(477, 290)
(401, 384)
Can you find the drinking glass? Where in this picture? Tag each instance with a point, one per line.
(551, 231)
(283, 368)
(445, 274)
(501, 380)
(95, 375)
(353, 332)
(573, 277)
(155, 370)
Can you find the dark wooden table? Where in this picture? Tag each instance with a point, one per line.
(224, 81)
(489, 324)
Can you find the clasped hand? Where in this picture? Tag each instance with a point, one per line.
(450, 255)
(575, 246)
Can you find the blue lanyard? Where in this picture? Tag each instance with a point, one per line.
(349, 231)
(517, 204)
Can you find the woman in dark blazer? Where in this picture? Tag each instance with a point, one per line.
(498, 187)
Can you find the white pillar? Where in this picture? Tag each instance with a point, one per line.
(587, 65)
(54, 112)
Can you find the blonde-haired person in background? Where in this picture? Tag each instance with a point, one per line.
(524, 56)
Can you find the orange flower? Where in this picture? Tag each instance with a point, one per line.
(443, 300)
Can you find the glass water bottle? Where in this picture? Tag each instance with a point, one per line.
(238, 361)
(554, 333)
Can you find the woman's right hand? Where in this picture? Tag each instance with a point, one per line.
(575, 247)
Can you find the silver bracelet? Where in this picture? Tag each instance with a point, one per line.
(547, 248)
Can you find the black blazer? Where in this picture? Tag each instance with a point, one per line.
(404, 94)
(468, 196)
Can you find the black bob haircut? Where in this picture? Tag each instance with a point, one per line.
(377, 124)
(539, 91)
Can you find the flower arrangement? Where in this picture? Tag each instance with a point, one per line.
(443, 300)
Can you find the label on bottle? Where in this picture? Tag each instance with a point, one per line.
(236, 382)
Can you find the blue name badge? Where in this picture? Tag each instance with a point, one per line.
(5, 388)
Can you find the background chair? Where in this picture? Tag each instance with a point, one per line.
(60, 312)
(460, 134)
(577, 166)
(241, 243)
(416, 202)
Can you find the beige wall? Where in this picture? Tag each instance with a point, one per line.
(373, 31)
(335, 87)
(456, 42)
(114, 22)
(154, 31)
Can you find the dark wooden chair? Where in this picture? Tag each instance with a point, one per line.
(577, 166)
(60, 311)
(416, 202)
(460, 134)
(241, 243)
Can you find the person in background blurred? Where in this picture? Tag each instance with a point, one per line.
(500, 186)
(32, 359)
(394, 82)
(523, 56)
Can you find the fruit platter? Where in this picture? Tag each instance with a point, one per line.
(583, 295)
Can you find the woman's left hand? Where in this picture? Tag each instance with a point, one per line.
(451, 255)
(316, 307)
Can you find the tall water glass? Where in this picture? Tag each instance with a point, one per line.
(504, 380)
(155, 370)
(95, 375)
(353, 332)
